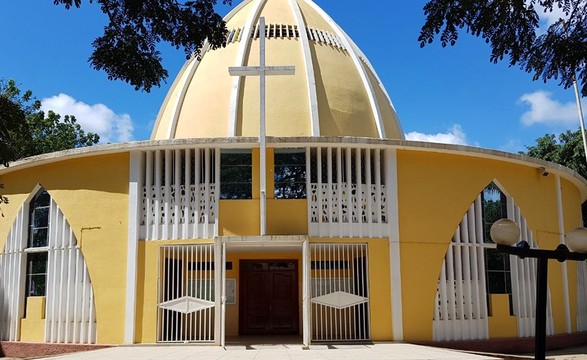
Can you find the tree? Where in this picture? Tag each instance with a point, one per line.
(128, 48)
(566, 150)
(25, 130)
(511, 28)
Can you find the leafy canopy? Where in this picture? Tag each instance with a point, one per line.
(128, 48)
(566, 150)
(511, 28)
(25, 130)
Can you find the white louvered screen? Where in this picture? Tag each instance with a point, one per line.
(12, 277)
(340, 292)
(69, 311)
(180, 194)
(186, 308)
(461, 300)
(347, 192)
(70, 314)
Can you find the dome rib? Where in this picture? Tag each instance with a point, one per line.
(309, 64)
(364, 77)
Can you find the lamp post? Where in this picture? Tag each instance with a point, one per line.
(506, 233)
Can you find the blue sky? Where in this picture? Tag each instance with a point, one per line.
(441, 94)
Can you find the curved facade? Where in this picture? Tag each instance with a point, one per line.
(350, 234)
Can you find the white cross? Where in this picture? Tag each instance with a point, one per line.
(262, 71)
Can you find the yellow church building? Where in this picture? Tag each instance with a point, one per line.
(331, 228)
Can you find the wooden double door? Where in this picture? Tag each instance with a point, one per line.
(268, 297)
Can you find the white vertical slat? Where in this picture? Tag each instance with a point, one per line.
(442, 314)
(207, 193)
(329, 192)
(187, 220)
(339, 190)
(474, 299)
(459, 276)
(148, 200)
(166, 189)
(368, 197)
(320, 190)
(349, 187)
(359, 196)
(157, 201)
(378, 193)
(177, 156)
(197, 186)
(309, 196)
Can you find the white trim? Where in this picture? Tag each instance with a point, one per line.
(362, 73)
(309, 65)
(394, 244)
(306, 294)
(561, 234)
(218, 290)
(243, 50)
(134, 202)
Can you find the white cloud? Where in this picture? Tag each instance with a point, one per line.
(455, 135)
(97, 118)
(550, 17)
(546, 110)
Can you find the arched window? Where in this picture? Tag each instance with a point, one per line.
(38, 241)
(497, 265)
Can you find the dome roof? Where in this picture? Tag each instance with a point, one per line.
(334, 92)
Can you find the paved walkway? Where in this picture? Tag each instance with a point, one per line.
(275, 352)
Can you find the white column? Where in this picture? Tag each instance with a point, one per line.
(394, 244)
(218, 291)
(306, 294)
(561, 232)
(134, 191)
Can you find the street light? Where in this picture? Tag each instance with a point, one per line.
(506, 233)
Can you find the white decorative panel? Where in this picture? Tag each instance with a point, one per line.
(347, 193)
(180, 194)
(186, 304)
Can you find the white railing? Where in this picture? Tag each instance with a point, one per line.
(186, 306)
(180, 194)
(339, 283)
(347, 194)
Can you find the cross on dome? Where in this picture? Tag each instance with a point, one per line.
(262, 71)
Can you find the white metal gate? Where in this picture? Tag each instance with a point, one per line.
(186, 306)
(340, 292)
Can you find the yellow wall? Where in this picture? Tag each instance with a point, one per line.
(32, 327)
(501, 323)
(97, 212)
(242, 217)
(147, 277)
(435, 190)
